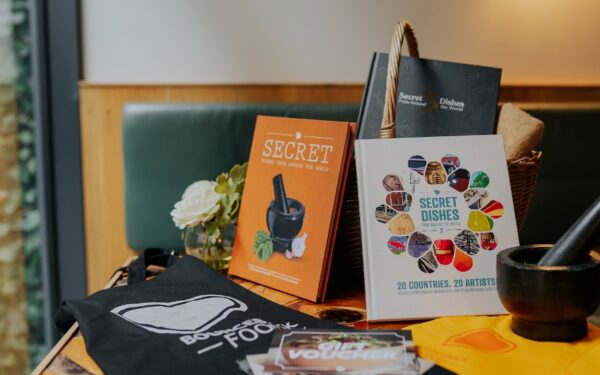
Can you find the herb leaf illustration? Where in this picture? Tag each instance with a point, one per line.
(263, 246)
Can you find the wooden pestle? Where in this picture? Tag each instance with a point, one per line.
(280, 197)
(574, 246)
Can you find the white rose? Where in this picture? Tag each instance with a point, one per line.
(199, 203)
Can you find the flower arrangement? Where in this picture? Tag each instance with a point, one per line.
(212, 204)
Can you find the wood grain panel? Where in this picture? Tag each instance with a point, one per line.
(267, 93)
(102, 163)
(550, 94)
(101, 111)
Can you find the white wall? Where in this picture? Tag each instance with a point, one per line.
(330, 41)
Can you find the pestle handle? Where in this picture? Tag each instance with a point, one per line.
(280, 197)
(574, 246)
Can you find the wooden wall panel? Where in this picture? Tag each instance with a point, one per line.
(267, 93)
(101, 109)
(104, 214)
(550, 94)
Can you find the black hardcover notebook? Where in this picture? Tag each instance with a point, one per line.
(434, 98)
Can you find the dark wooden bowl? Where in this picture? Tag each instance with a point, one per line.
(547, 303)
(285, 226)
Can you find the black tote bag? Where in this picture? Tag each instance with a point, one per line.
(189, 319)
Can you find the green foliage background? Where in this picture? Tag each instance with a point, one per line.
(29, 194)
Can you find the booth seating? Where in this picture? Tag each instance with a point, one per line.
(169, 146)
(569, 178)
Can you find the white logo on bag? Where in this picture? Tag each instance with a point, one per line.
(193, 315)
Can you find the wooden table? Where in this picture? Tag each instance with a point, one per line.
(69, 355)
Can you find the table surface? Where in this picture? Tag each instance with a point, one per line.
(69, 355)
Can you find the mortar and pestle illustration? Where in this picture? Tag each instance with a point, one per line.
(285, 217)
(552, 290)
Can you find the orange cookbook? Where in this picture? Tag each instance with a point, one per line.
(291, 204)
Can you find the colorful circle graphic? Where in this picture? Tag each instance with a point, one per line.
(458, 250)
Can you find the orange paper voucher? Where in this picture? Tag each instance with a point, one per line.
(291, 204)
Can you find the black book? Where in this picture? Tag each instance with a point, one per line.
(434, 98)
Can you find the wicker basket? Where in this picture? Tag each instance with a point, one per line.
(523, 177)
(348, 261)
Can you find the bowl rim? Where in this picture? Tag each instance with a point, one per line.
(504, 258)
(273, 206)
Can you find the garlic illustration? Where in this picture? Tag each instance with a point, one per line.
(298, 245)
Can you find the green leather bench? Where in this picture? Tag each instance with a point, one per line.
(569, 178)
(168, 146)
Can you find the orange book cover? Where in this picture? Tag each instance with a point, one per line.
(291, 201)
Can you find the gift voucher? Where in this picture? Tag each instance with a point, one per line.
(291, 204)
(334, 352)
(434, 213)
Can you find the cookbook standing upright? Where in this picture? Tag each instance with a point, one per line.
(434, 212)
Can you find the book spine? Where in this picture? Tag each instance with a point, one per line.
(366, 94)
(364, 226)
(342, 180)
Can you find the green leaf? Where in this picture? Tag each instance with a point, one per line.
(215, 235)
(263, 246)
(212, 231)
(234, 207)
(238, 173)
(222, 184)
(229, 185)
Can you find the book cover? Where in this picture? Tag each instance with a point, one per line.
(434, 213)
(434, 98)
(291, 204)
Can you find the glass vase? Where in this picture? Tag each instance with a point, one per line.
(217, 255)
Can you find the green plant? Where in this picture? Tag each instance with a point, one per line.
(212, 204)
(230, 186)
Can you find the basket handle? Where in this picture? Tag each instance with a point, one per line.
(403, 31)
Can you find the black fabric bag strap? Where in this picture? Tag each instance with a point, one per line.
(153, 256)
(64, 317)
